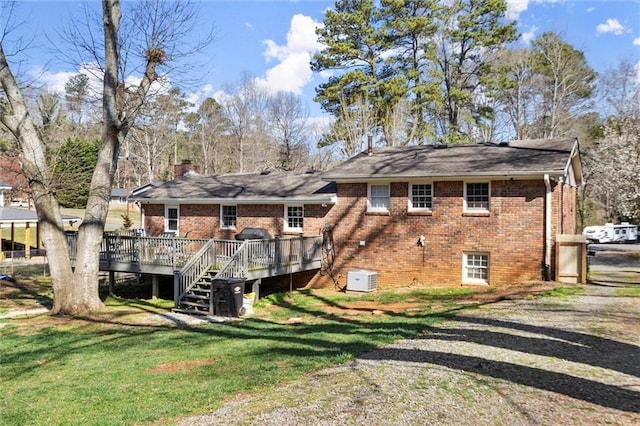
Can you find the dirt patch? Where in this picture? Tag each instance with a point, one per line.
(181, 366)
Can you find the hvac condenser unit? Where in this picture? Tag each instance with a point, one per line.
(362, 280)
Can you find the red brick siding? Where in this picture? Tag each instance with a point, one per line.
(203, 220)
(512, 234)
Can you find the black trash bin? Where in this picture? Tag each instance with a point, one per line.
(228, 294)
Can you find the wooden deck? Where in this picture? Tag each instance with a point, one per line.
(168, 256)
(188, 260)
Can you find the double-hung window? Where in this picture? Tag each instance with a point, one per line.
(378, 198)
(294, 218)
(420, 197)
(228, 216)
(171, 219)
(477, 196)
(475, 268)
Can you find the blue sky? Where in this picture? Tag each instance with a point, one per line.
(274, 40)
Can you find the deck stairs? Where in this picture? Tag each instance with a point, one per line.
(198, 300)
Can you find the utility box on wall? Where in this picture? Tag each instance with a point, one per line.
(571, 259)
(362, 280)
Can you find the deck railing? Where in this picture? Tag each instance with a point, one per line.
(115, 248)
(213, 255)
(191, 259)
(178, 252)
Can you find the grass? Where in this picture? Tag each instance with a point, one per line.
(114, 367)
(628, 292)
(563, 291)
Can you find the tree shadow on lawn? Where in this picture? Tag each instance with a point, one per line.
(551, 342)
(322, 339)
(554, 343)
(575, 387)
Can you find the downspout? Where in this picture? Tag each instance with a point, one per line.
(547, 228)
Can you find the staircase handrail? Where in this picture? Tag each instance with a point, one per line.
(240, 257)
(197, 267)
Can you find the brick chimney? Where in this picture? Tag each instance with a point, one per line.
(184, 168)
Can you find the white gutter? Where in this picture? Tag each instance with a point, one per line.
(547, 228)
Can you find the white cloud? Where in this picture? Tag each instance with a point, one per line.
(196, 98)
(292, 70)
(529, 35)
(636, 41)
(611, 26)
(515, 8)
(55, 82)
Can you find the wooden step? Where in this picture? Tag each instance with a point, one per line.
(195, 304)
(197, 296)
(190, 311)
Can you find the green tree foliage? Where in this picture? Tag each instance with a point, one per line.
(409, 27)
(471, 33)
(76, 95)
(73, 166)
(354, 53)
(434, 56)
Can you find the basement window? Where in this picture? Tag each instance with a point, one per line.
(475, 268)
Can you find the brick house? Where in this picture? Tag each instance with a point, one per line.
(483, 214)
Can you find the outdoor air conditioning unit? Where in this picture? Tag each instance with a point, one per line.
(362, 280)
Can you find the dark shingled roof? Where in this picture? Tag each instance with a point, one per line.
(11, 215)
(247, 187)
(516, 158)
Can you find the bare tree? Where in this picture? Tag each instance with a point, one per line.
(356, 121)
(208, 135)
(566, 84)
(612, 165)
(154, 138)
(287, 121)
(76, 289)
(243, 109)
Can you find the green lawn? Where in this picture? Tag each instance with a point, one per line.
(117, 367)
(110, 369)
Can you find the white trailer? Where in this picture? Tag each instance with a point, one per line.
(610, 233)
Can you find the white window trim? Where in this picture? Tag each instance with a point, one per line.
(287, 228)
(410, 196)
(468, 280)
(467, 209)
(222, 225)
(166, 219)
(378, 209)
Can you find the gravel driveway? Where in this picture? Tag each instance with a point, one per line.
(544, 361)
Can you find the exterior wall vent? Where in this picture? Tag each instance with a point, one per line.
(362, 280)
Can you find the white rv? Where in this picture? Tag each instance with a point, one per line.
(610, 233)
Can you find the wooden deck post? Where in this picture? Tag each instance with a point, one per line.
(27, 241)
(154, 287)
(112, 280)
